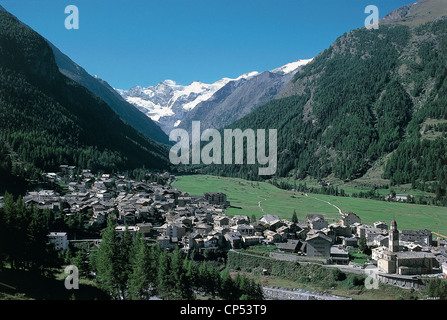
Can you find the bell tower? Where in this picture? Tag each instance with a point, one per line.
(393, 237)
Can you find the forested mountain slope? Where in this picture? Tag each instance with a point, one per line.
(104, 91)
(371, 94)
(46, 119)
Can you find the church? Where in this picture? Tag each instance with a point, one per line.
(394, 261)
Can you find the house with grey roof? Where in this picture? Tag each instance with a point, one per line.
(318, 245)
(221, 220)
(234, 239)
(291, 246)
(339, 255)
(350, 218)
(239, 219)
(420, 236)
(243, 229)
(316, 221)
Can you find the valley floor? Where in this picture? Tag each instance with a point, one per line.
(259, 198)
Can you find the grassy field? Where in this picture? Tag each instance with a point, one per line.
(260, 198)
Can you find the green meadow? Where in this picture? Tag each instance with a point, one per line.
(259, 198)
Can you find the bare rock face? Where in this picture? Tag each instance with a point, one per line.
(417, 13)
(215, 105)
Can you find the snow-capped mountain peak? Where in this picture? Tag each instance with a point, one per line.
(290, 67)
(168, 102)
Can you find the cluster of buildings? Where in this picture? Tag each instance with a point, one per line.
(173, 218)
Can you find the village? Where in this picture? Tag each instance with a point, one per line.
(173, 218)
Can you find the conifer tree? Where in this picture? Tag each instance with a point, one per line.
(227, 286)
(141, 277)
(164, 284)
(125, 251)
(108, 255)
(294, 217)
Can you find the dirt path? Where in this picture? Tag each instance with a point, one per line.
(339, 210)
(259, 203)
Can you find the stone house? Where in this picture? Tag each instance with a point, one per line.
(272, 236)
(316, 221)
(133, 230)
(217, 198)
(318, 245)
(176, 230)
(291, 246)
(369, 232)
(234, 239)
(381, 240)
(271, 221)
(128, 218)
(221, 220)
(258, 226)
(350, 218)
(202, 228)
(239, 219)
(381, 225)
(166, 242)
(144, 228)
(210, 241)
(341, 231)
(350, 242)
(243, 229)
(420, 236)
(339, 255)
(251, 240)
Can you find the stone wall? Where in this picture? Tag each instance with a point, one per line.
(275, 293)
(402, 282)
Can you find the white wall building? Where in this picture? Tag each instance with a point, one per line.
(59, 239)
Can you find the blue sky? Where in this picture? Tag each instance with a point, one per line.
(143, 42)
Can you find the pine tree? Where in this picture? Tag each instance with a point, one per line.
(2, 238)
(227, 286)
(363, 243)
(125, 252)
(141, 277)
(164, 283)
(80, 260)
(68, 256)
(237, 284)
(214, 281)
(107, 262)
(36, 245)
(203, 277)
(181, 282)
(191, 274)
(187, 279)
(294, 217)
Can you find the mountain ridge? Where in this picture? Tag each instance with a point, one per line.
(417, 13)
(372, 96)
(102, 89)
(49, 119)
(174, 105)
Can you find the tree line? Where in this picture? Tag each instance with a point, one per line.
(130, 269)
(24, 243)
(355, 107)
(47, 119)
